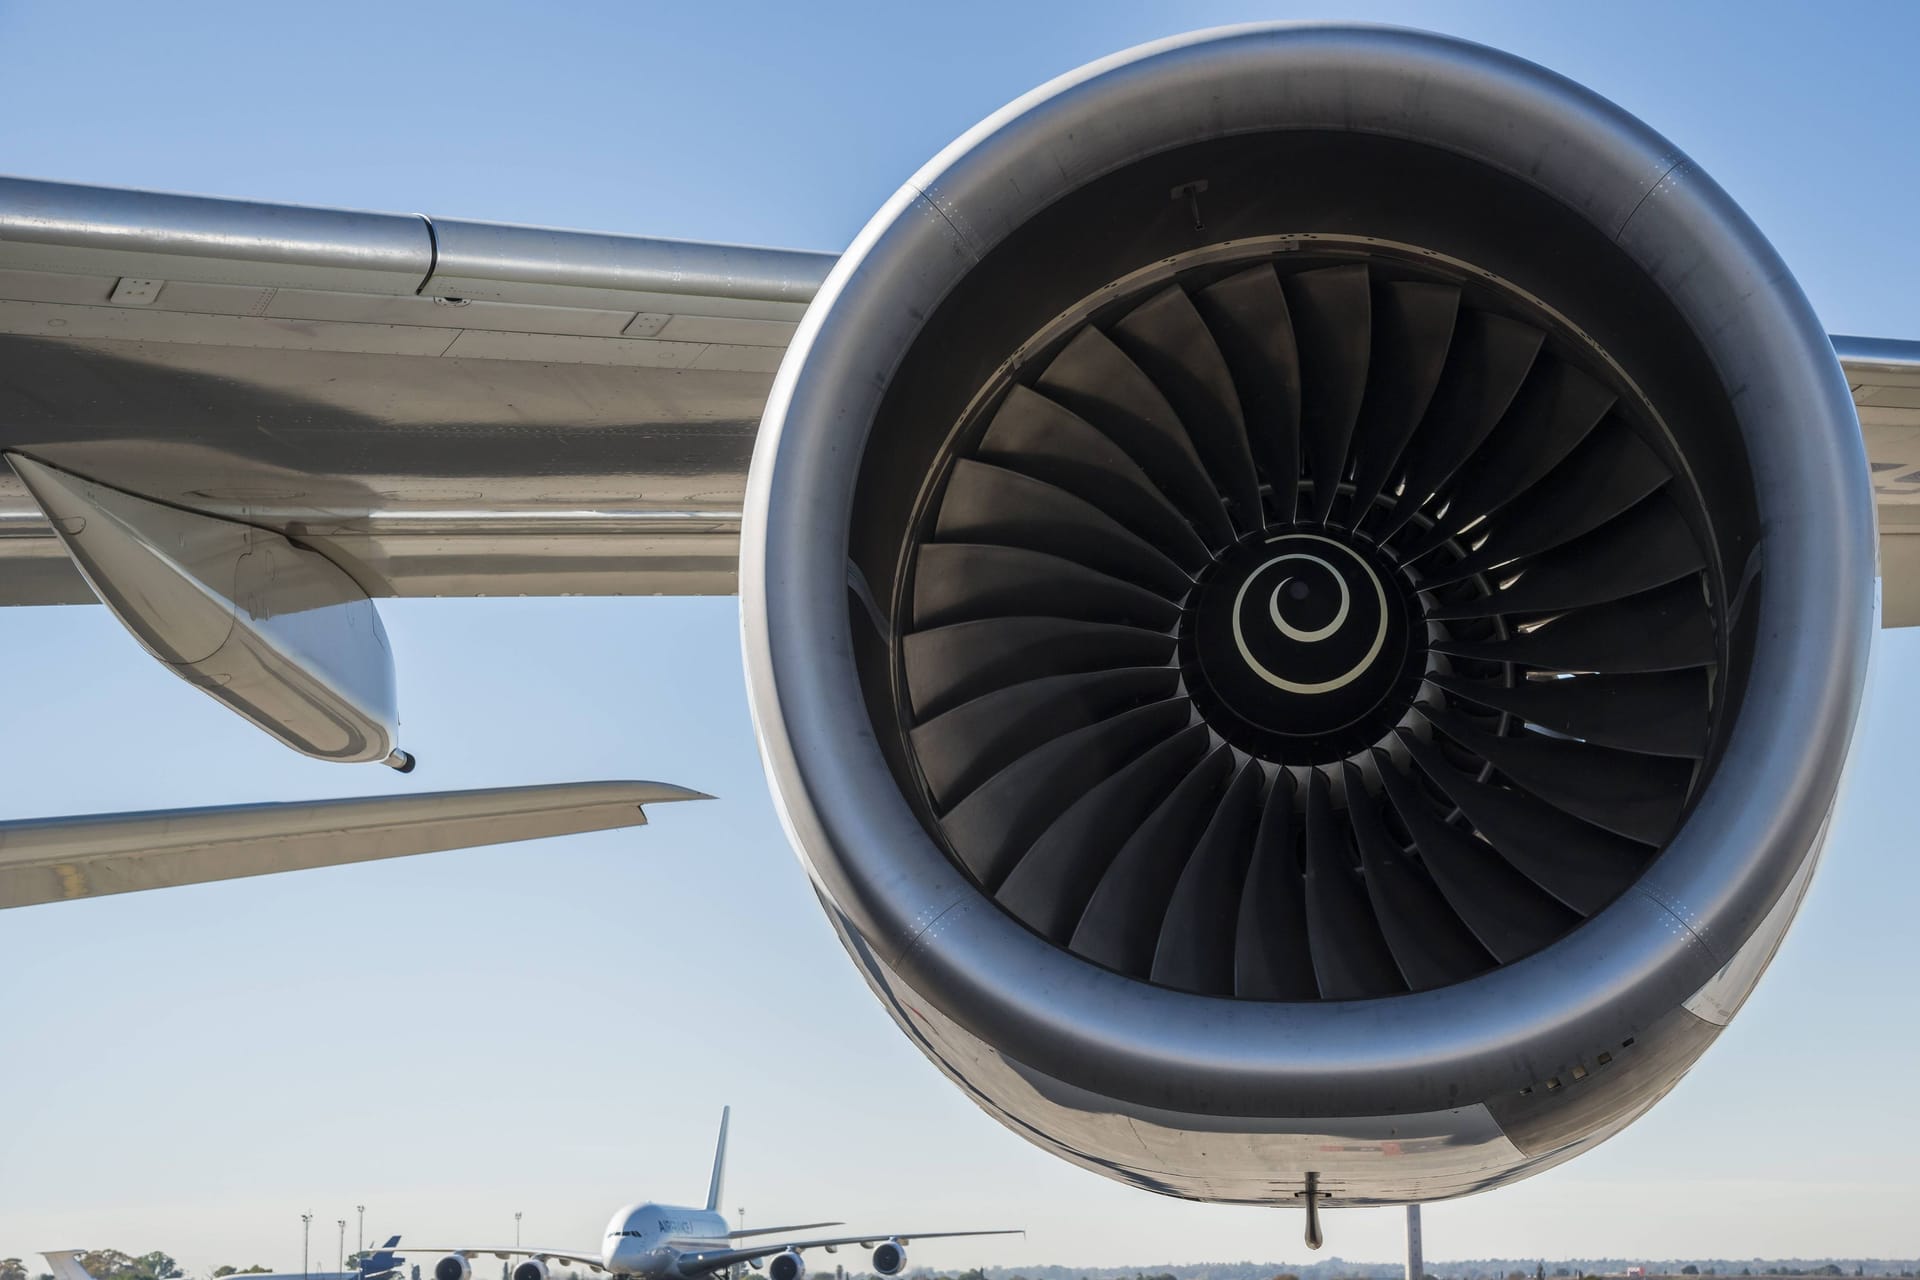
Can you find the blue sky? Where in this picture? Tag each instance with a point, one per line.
(452, 1038)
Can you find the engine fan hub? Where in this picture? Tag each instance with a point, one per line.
(1302, 646)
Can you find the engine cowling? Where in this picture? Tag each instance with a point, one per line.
(787, 1266)
(453, 1267)
(1305, 594)
(889, 1258)
(531, 1269)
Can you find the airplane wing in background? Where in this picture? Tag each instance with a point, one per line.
(692, 1265)
(54, 859)
(574, 1257)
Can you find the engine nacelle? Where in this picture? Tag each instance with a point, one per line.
(787, 1266)
(531, 1269)
(889, 1258)
(1306, 593)
(453, 1267)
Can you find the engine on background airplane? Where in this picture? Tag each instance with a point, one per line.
(889, 1258)
(1305, 593)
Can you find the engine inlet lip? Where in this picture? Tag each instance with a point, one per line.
(1634, 961)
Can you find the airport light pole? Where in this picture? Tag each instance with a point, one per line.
(360, 1235)
(343, 1242)
(516, 1228)
(306, 1232)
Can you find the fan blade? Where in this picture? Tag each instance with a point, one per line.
(1413, 326)
(1660, 714)
(1271, 956)
(1333, 328)
(1607, 474)
(1555, 409)
(949, 665)
(1665, 629)
(1033, 435)
(998, 822)
(1581, 865)
(1488, 361)
(1430, 944)
(960, 749)
(1508, 914)
(1122, 921)
(984, 504)
(1094, 379)
(1650, 546)
(1248, 315)
(959, 582)
(1350, 958)
(1049, 887)
(1195, 952)
(1639, 797)
(1166, 337)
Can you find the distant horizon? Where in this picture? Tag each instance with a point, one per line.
(1319, 1268)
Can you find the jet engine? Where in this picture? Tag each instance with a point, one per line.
(889, 1258)
(453, 1267)
(1305, 593)
(787, 1266)
(531, 1269)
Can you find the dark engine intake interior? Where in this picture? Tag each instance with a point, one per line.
(1310, 570)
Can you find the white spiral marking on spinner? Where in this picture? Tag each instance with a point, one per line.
(1318, 633)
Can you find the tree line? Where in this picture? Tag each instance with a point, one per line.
(112, 1264)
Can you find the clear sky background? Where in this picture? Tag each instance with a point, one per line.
(553, 1027)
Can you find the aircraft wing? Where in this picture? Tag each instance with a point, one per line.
(576, 1257)
(691, 1265)
(447, 407)
(1885, 377)
(441, 407)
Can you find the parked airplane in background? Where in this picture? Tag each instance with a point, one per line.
(672, 1242)
(381, 1264)
(1306, 590)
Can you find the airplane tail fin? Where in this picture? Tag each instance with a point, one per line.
(382, 1262)
(718, 1185)
(66, 1264)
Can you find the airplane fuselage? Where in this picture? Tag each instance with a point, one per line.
(648, 1239)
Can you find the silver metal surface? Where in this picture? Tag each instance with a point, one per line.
(575, 268)
(54, 226)
(580, 425)
(56, 859)
(1021, 1009)
(278, 633)
(1884, 376)
(285, 369)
